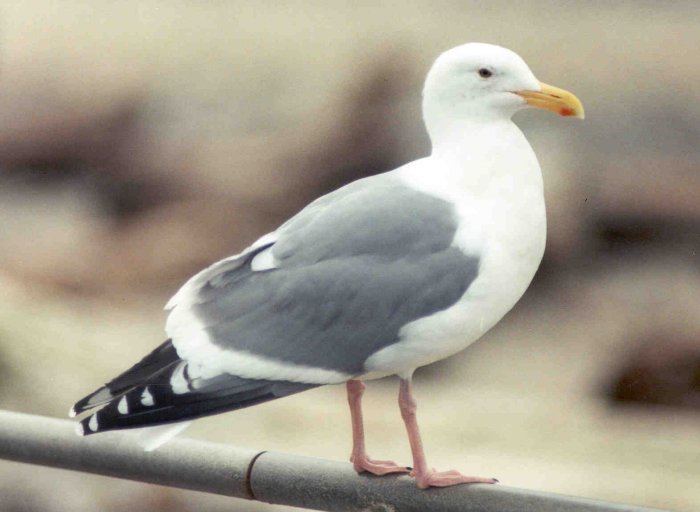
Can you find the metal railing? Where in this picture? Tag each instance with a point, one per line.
(260, 475)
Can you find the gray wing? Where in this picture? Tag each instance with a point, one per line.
(340, 280)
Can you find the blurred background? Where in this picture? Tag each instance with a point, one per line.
(140, 141)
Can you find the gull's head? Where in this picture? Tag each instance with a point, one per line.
(483, 82)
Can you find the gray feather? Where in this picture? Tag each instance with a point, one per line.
(352, 269)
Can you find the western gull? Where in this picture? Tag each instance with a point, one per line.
(377, 278)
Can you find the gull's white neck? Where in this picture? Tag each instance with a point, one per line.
(491, 176)
(479, 158)
(469, 135)
(489, 173)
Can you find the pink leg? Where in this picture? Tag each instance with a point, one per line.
(360, 461)
(425, 476)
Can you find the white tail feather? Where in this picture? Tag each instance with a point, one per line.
(151, 438)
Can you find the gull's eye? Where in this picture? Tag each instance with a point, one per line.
(485, 73)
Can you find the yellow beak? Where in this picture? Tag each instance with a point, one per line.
(555, 100)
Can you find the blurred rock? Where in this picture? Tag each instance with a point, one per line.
(663, 370)
(136, 224)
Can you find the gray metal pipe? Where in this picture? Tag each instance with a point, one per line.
(266, 476)
(183, 463)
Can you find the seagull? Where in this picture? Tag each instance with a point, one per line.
(377, 278)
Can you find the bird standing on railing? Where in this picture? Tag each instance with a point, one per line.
(379, 277)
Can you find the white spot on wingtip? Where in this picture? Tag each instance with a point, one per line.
(92, 424)
(263, 261)
(178, 382)
(72, 413)
(187, 295)
(146, 397)
(123, 406)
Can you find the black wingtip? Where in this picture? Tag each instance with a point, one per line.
(160, 358)
(156, 404)
(94, 399)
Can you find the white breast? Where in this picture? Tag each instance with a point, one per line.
(502, 221)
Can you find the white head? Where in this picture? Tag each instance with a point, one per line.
(482, 82)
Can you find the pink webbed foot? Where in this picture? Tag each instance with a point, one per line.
(377, 467)
(434, 478)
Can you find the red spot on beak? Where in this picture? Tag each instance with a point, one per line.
(566, 111)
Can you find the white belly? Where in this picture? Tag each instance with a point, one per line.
(507, 230)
